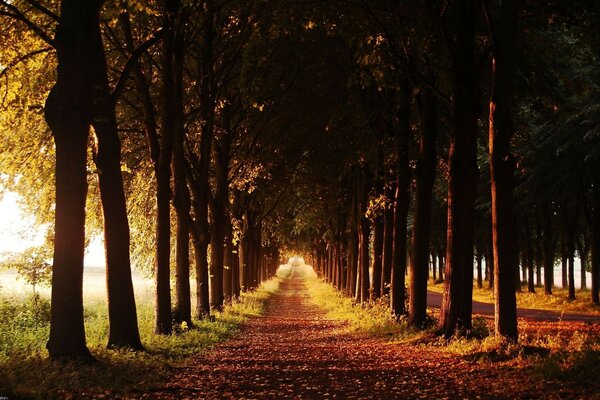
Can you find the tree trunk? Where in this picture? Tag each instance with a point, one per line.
(200, 239)
(479, 260)
(388, 239)
(181, 195)
(122, 315)
(564, 261)
(68, 111)
(228, 286)
(549, 248)
(425, 171)
(401, 206)
(377, 257)
(571, 273)
(502, 166)
(463, 173)
(364, 234)
(596, 245)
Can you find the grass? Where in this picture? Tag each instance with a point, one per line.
(372, 318)
(557, 301)
(27, 372)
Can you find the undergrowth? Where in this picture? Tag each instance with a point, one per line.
(27, 372)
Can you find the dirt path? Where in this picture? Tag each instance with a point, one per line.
(295, 352)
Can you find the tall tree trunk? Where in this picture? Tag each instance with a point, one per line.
(163, 321)
(502, 166)
(200, 239)
(181, 195)
(228, 285)
(596, 245)
(377, 262)
(564, 260)
(571, 273)
(364, 233)
(441, 265)
(68, 111)
(549, 244)
(583, 249)
(122, 315)
(479, 261)
(463, 173)
(388, 239)
(530, 261)
(401, 205)
(425, 171)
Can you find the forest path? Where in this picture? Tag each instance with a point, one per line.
(294, 351)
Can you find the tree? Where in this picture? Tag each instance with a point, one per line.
(502, 166)
(463, 170)
(68, 113)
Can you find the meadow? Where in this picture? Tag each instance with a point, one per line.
(27, 372)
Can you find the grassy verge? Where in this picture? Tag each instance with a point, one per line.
(373, 318)
(26, 371)
(557, 301)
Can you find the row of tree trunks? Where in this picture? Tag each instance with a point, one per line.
(81, 98)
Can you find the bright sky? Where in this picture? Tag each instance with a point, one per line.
(17, 232)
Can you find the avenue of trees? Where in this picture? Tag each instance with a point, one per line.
(387, 141)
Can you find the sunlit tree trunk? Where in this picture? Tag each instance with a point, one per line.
(463, 172)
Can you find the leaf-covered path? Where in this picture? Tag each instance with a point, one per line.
(295, 351)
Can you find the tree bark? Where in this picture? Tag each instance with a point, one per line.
(122, 315)
(388, 239)
(181, 195)
(401, 206)
(364, 233)
(502, 166)
(463, 173)
(425, 171)
(68, 112)
(549, 244)
(596, 245)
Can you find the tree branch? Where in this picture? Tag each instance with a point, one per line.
(15, 13)
(133, 58)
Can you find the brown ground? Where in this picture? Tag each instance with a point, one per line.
(295, 352)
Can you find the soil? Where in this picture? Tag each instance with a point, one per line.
(295, 352)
